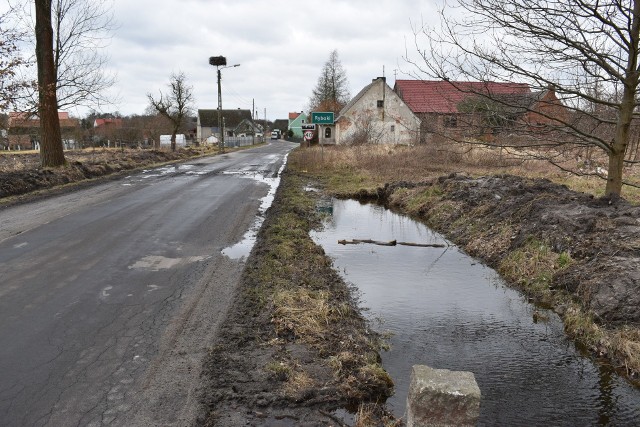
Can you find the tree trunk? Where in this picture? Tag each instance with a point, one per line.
(619, 145)
(173, 141)
(625, 114)
(51, 149)
(614, 173)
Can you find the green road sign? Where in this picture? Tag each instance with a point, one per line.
(324, 118)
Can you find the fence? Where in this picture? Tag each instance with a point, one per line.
(241, 141)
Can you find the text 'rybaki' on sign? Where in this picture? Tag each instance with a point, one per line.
(323, 118)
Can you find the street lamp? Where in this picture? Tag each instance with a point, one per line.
(220, 62)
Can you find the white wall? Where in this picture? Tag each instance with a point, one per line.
(394, 123)
(181, 140)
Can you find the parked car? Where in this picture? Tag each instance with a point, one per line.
(275, 135)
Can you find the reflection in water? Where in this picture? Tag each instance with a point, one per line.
(447, 311)
(242, 249)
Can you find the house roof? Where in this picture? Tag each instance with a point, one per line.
(30, 120)
(356, 98)
(244, 126)
(293, 116)
(232, 118)
(443, 97)
(295, 123)
(519, 103)
(104, 122)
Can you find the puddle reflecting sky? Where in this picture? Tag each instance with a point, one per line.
(242, 249)
(448, 311)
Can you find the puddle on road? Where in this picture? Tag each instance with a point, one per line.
(242, 249)
(448, 311)
(157, 262)
(186, 169)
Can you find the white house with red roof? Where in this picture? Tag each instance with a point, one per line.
(377, 115)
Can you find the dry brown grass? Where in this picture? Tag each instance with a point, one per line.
(626, 343)
(349, 169)
(532, 268)
(302, 312)
(374, 415)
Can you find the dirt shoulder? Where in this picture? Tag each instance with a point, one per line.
(295, 347)
(21, 174)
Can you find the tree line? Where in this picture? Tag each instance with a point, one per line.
(587, 51)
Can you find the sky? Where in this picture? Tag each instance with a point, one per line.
(280, 45)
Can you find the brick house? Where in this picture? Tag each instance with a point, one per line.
(24, 131)
(377, 115)
(478, 109)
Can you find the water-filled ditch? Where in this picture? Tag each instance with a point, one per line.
(446, 310)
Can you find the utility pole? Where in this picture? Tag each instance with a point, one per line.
(220, 62)
(221, 139)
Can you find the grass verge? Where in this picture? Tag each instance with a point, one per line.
(298, 324)
(308, 303)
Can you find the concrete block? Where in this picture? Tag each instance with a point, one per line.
(439, 397)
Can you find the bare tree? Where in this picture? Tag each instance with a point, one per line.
(81, 31)
(585, 50)
(174, 105)
(331, 92)
(11, 59)
(366, 130)
(51, 149)
(154, 125)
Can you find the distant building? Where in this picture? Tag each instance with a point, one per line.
(113, 122)
(282, 125)
(296, 120)
(236, 123)
(24, 131)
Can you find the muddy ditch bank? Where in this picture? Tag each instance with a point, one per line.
(294, 349)
(21, 173)
(565, 250)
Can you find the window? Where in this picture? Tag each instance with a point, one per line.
(380, 103)
(393, 128)
(450, 121)
(327, 133)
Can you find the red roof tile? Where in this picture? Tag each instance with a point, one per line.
(443, 97)
(31, 120)
(102, 122)
(293, 116)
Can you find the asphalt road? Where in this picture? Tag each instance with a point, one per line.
(110, 295)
